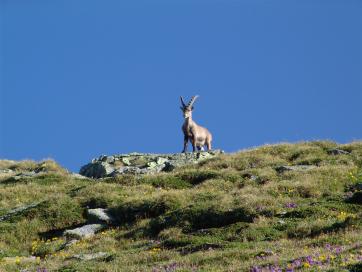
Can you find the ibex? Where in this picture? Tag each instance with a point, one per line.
(197, 135)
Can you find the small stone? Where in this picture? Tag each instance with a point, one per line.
(93, 256)
(254, 178)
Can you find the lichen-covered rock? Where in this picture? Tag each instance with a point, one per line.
(139, 163)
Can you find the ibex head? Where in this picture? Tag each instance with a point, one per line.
(187, 109)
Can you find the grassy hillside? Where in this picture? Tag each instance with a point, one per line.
(248, 211)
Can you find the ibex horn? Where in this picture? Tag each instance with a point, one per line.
(183, 102)
(192, 101)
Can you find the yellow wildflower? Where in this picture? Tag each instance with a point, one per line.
(322, 258)
(306, 265)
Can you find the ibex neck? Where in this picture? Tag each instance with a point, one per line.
(188, 120)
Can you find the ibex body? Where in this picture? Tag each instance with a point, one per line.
(197, 135)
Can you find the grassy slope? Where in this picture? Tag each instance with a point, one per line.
(229, 213)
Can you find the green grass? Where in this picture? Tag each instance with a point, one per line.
(228, 213)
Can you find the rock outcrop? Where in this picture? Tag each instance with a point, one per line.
(139, 163)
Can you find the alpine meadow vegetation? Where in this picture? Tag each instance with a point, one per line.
(283, 207)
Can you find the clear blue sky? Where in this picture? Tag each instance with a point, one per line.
(84, 78)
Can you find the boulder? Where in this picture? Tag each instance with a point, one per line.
(85, 231)
(139, 163)
(97, 170)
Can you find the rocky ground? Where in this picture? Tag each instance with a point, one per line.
(140, 163)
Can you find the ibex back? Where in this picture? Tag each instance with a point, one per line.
(197, 135)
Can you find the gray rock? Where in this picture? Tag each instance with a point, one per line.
(85, 231)
(138, 163)
(126, 161)
(93, 256)
(99, 216)
(26, 175)
(161, 160)
(337, 151)
(129, 170)
(254, 178)
(18, 210)
(97, 170)
(172, 165)
(284, 168)
(6, 171)
(107, 159)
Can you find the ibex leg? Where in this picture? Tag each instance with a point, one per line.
(208, 145)
(193, 145)
(186, 139)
